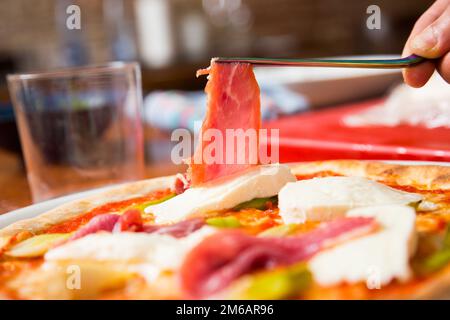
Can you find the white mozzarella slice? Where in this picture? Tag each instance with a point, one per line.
(163, 252)
(322, 199)
(377, 258)
(262, 181)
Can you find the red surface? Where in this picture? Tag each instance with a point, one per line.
(320, 135)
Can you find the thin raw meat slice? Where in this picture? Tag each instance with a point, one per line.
(181, 184)
(103, 222)
(223, 257)
(130, 220)
(233, 103)
(177, 230)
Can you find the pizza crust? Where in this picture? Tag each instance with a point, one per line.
(422, 176)
(78, 207)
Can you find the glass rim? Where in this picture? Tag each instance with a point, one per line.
(90, 69)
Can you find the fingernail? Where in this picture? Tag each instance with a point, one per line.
(426, 40)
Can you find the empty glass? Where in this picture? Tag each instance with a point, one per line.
(79, 127)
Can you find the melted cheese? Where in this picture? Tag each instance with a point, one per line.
(260, 182)
(162, 252)
(377, 258)
(322, 199)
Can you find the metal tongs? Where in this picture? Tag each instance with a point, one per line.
(339, 63)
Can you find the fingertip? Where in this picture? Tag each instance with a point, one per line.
(417, 76)
(444, 67)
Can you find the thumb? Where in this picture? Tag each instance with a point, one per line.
(434, 41)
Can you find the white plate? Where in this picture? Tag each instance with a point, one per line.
(39, 208)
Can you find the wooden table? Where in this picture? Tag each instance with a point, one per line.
(14, 188)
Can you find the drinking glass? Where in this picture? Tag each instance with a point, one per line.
(79, 127)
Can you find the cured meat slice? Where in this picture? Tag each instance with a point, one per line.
(103, 222)
(221, 258)
(233, 108)
(130, 220)
(177, 230)
(181, 184)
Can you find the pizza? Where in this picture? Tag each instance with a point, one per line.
(345, 229)
(353, 230)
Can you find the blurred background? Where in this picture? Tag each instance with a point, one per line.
(173, 38)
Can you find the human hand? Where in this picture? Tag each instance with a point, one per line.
(430, 38)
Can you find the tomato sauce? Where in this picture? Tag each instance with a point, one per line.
(321, 174)
(75, 223)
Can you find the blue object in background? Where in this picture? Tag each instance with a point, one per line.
(169, 110)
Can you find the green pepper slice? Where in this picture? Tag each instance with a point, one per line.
(257, 203)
